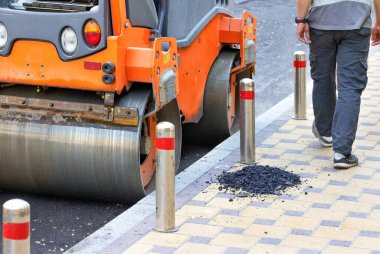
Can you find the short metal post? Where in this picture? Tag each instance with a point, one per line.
(300, 85)
(165, 173)
(247, 121)
(16, 227)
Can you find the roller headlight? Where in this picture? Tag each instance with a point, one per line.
(69, 41)
(3, 36)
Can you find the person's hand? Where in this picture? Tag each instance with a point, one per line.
(303, 33)
(375, 34)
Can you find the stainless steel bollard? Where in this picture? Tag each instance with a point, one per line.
(165, 173)
(16, 227)
(300, 85)
(247, 121)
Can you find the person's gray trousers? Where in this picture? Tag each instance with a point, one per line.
(344, 53)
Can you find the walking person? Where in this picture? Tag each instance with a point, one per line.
(338, 33)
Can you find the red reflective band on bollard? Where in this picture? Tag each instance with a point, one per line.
(16, 231)
(247, 95)
(300, 64)
(165, 143)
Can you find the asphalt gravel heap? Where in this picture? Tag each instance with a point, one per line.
(258, 180)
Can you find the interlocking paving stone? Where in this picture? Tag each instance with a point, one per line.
(306, 175)
(347, 198)
(363, 177)
(231, 230)
(338, 183)
(230, 212)
(300, 163)
(320, 157)
(357, 215)
(271, 241)
(322, 206)
(200, 239)
(372, 191)
(314, 190)
(373, 158)
(302, 232)
(163, 249)
(328, 170)
(340, 243)
(196, 203)
(198, 221)
(370, 234)
(293, 213)
(264, 222)
(365, 147)
(260, 204)
(293, 151)
(236, 251)
(330, 223)
(287, 197)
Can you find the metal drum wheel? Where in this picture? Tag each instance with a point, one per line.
(84, 160)
(220, 104)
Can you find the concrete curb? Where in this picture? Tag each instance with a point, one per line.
(146, 207)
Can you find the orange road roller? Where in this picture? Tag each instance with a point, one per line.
(83, 84)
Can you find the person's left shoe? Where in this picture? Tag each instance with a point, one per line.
(345, 162)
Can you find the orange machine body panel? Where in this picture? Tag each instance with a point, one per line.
(136, 58)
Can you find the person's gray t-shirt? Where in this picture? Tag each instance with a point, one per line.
(341, 15)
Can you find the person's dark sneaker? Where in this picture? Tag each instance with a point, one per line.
(345, 162)
(325, 141)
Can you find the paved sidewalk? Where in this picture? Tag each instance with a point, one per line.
(332, 212)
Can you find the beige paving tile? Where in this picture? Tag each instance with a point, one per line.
(231, 221)
(271, 141)
(367, 243)
(260, 212)
(272, 151)
(192, 229)
(267, 231)
(224, 203)
(195, 248)
(234, 240)
(294, 205)
(318, 198)
(162, 239)
(325, 214)
(321, 163)
(361, 224)
(287, 146)
(139, 248)
(297, 157)
(179, 220)
(298, 222)
(305, 242)
(368, 198)
(205, 196)
(335, 233)
(197, 211)
(343, 250)
(351, 206)
(375, 215)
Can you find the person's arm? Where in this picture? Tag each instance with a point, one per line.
(303, 33)
(376, 27)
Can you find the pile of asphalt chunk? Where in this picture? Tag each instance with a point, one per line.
(258, 180)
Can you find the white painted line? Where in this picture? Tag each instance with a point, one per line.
(146, 207)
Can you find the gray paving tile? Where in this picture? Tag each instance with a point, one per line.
(287, 197)
(302, 232)
(363, 177)
(314, 190)
(293, 151)
(199, 239)
(236, 251)
(348, 198)
(365, 148)
(271, 241)
(306, 175)
(293, 213)
(260, 204)
(300, 163)
(202, 221)
(264, 222)
(372, 191)
(370, 234)
(232, 230)
(288, 141)
(163, 249)
(357, 215)
(230, 212)
(373, 158)
(340, 243)
(338, 183)
(266, 146)
(330, 223)
(322, 206)
(328, 170)
(196, 203)
(320, 157)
